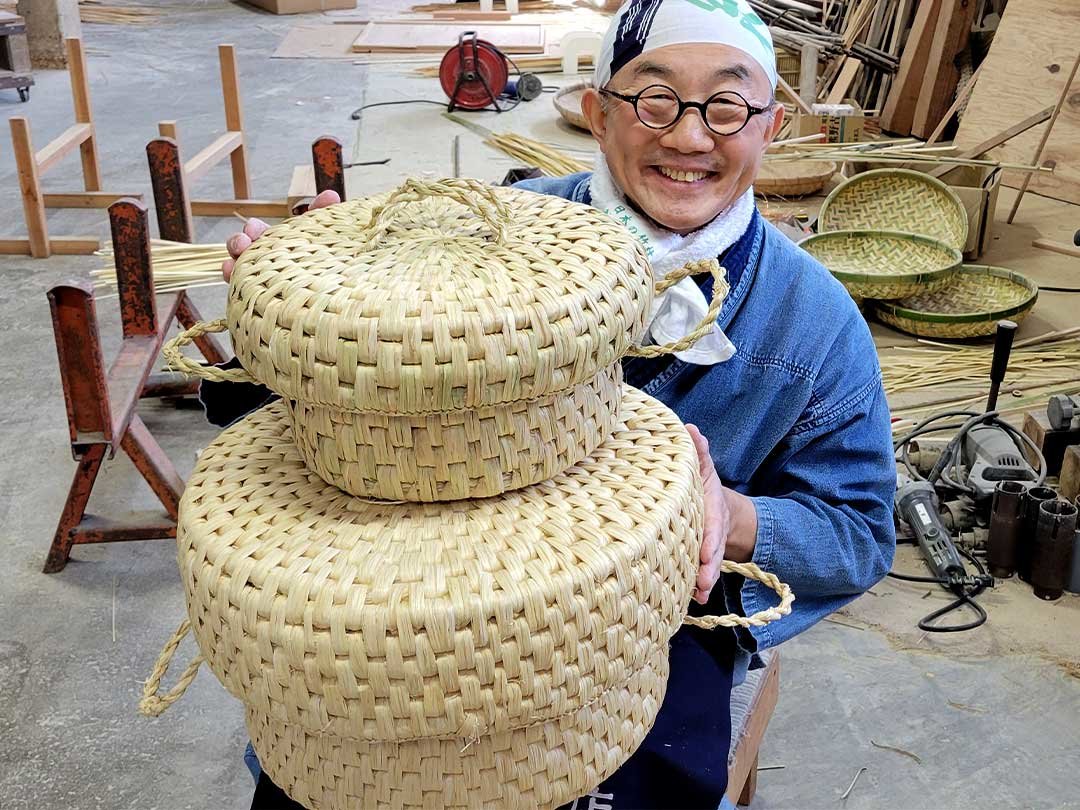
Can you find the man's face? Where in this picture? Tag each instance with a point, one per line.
(682, 177)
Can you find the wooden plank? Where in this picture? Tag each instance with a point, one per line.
(961, 97)
(1057, 247)
(998, 139)
(86, 199)
(899, 112)
(435, 36)
(278, 209)
(942, 75)
(301, 185)
(213, 154)
(761, 711)
(30, 187)
(60, 245)
(234, 119)
(466, 16)
(809, 57)
(795, 97)
(80, 96)
(1037, 157)
(1024, 71)
(1069, 479)
(843, 81)
(167, 129)
(58, 148)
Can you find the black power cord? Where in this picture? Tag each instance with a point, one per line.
(965, 588)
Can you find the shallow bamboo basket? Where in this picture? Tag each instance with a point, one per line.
(506, 653)
(447, 341)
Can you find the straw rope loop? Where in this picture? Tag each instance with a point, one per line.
(720, 291)
(762, 617)
(473, 194)
(152, 704)
(177, 361)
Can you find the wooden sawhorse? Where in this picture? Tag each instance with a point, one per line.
(101, 403)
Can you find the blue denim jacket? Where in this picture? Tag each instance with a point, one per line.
(797, 420)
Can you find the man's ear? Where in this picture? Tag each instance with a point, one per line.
(592, 107)
(774, 128)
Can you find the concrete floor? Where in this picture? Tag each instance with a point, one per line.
(990, 721)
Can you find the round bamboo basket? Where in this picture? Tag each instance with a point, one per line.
(970, 306)
(896, 200)
(448, 341)
(793, 178)
(508, 652)
(884, 264)
(568, 102)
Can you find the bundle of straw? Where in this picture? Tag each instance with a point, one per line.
(547, 159)
(177, 266)
(897, 151)
(1038, 367)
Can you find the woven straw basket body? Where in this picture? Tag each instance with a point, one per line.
(793, 178)
(884, 264)
(896, 200)
(970, 306)
(448, 341)
(503, 653)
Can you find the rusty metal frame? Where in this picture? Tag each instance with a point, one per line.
(101, 402)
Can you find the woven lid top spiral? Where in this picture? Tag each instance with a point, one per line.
(439, 296)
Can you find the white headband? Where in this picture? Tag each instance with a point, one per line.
(644, 25)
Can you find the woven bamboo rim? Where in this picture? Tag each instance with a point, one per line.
(500, 624)
(884, 264)
(970, 306)
(568, 102)
(793, 178)
(896, 200)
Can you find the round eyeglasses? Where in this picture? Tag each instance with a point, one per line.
(659, 107)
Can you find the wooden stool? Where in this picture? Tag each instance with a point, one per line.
(752, 705)
(101, 404)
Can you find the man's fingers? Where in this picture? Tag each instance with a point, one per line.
(324, 198)
(227, 268)
(254, 228)
(237, 244)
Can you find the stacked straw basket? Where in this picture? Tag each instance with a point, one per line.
(502, 652)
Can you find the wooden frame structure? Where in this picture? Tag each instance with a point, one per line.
(32, 165)
(229, 145)
(742, 773)
(101, 404)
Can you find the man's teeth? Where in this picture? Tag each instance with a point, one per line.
(681, 176)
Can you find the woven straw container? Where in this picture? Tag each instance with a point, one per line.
(896, 200)
(447, 341)
(503, 653)
(970, 306)
(884, 264)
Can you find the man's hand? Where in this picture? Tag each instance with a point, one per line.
(730, 522)
(254, 228)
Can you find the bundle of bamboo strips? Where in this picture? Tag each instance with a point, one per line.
(177, 266)
(903, 151)
(1037, 367)
(546, 158)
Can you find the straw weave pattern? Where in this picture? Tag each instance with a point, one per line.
(537, 621)
(896, 200)
(884, 265)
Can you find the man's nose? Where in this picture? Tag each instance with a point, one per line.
(689, 134)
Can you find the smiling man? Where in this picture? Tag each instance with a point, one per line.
(792, 428)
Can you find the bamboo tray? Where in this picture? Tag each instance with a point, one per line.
(896, 200)
(884, 264)
(796, 178)
(970, 306)
(568, 102)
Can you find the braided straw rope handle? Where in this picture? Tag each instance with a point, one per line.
(153, 705)
(179, 362)
(478, 197)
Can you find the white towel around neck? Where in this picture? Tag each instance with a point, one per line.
(677, 311)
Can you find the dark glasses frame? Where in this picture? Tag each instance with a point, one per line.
(700, 106)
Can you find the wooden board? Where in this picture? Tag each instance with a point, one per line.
(300, 6)
(942, 75)
(1025, 71)
(436, 36)
(899, 112)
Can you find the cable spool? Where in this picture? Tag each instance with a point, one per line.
(473, 74)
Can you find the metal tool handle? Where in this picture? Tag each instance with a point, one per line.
(1006, 331)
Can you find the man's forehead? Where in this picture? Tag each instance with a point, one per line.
(702, 63)
(651, 67)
